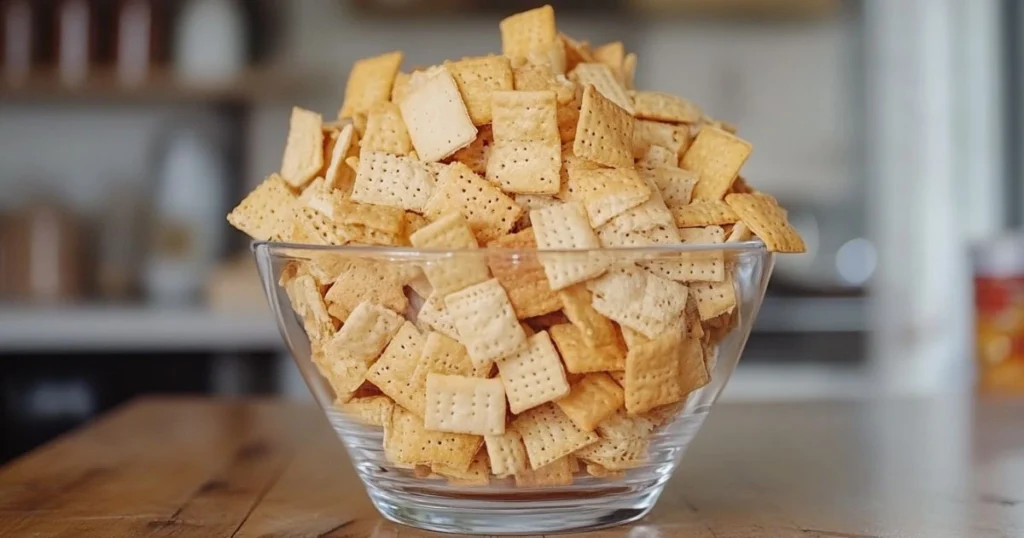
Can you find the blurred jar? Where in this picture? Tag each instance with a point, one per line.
(999, 313)
(76, 40)
(44, 254)
(17, 28)
(139, 39)
(210, 42)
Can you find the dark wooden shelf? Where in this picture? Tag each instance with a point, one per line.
(255, 86)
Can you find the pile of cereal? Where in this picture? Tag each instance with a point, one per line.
(498, 366)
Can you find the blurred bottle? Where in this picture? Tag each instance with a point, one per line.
(121, 238)
(18, 41)
(139, 40)
(77, 44)
(210, 42)
(999, 313)
(187, 235)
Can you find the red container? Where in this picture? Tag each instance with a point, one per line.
(999, 313)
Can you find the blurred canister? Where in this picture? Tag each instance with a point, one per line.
(999, 313)
(43, 254)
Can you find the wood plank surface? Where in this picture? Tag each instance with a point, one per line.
(187, 467)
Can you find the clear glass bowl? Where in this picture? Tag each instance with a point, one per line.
(406, 496)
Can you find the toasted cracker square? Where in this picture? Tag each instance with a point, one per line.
(267, 213)
(657, 156)
(604, 133)
(652, 374)
(394, 369)
(385, 131)
(525, 167)
(369, 410)
(460, 404)
(533, 374)
(369, 83)
(304, 295)
(434, 314)
(344, 375)
(629, 70)
(549, 435)
(596, 330)
(581, 358)
(449, 275)
(693, 371)
(767, 220)
(318, 196)
(384, 219)
(698, 214)
(407, 442)
(529, 202)
(716, 156)
(477, 153)
(486, 322)
(313, 227)
(605, 81)
(529, 31)
(478, 473)
(392, 180)
(607, 193)
(522, 275)
(714, 298)
(445, 355)
(569, 115)
(665, 107)
(436, 118)
(675, 138)
(674, 184)
(339, 176)
(477, 79)
(696, 266)
(611, 54)
(400, 86)
(566, 227)
(576, 52)
(620, 425)
(641, 225)
(490, 212)
(524, 116)
(616, 454)
(556, 473)
(639, 300)
(368, 281)
(591, 400)
(365, 333)
(740, 233)
(506, 453)
(526, 157)
(304, 150)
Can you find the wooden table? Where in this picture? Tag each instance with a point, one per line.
(187, 467)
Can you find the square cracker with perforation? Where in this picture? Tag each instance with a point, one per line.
(486, 322)
(533, 374)
(437, 118)
(459, 404)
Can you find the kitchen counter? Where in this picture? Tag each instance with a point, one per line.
(190, 467)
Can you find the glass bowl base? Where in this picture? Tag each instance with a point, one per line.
(534, 517)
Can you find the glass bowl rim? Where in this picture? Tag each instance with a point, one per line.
(276, 248)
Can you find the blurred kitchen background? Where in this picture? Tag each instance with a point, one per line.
(128, 128)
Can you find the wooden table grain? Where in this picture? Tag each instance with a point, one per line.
(950, 467)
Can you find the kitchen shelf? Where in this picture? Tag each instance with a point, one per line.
(89, 329)
(261, 85)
